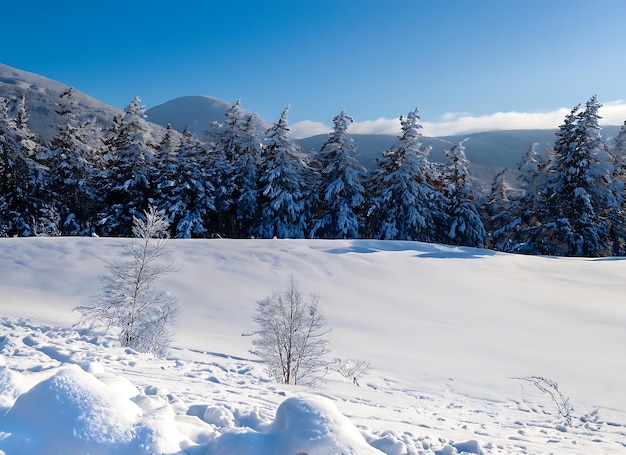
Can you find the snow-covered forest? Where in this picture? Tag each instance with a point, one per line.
(243, 181)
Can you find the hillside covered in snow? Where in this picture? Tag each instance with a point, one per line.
(445, 330)
(42, 96)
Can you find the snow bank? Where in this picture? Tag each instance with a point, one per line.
(73, 412)
(306, 424)
(72, 405)
(11, 386)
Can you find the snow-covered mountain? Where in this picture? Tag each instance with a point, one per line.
(194, 112)
(488, 152)
(42, 95)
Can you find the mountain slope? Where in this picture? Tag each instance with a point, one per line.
(41, 96)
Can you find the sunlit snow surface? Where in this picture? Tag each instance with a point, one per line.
(444, 329)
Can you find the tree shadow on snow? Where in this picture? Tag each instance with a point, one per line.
(421, 249)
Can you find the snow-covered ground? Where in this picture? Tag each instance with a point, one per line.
(445, 330)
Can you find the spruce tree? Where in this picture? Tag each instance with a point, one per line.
(465, 226)
(167, 178)
(23, 177)
(184, 189)
(246, 177)
(340, 185)
(618, 186)
(403, 204)
(499, 212)
(128, 174)
(580, 198)
(225, 154)
(219, 171)
(236, 158)
(70, 172)
(282, 201)
(523, 230)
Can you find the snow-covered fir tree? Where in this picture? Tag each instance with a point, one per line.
(225, 153)
(127, 177)
(282, 180)
(340, 185)
(167, 178)
(219, 171)
(23, 179)
(581, 203)
(402, 203)
(185, 193)
(497, 211)
(70, 171)
(21, 120)
(236, 158)
(521, 224)
(617, 150)
(465, 226)
(246, 176)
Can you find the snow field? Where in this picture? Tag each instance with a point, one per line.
(444, 329)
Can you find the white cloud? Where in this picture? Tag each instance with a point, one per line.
(378, 126)
(612, 113)
(307, 128)
(452, 116)
(498, 121)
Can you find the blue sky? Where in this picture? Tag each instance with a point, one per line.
(467, 65)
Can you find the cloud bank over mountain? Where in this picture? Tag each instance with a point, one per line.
(612, 112)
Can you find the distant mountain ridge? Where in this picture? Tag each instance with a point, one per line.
(489, 152)
(501, 149)
(193, 112)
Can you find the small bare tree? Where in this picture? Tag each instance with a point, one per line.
(291, 336)
(130, 304)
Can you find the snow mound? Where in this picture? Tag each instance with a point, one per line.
(306, 424)
(73, 412)
(10, 386)
(72, 405)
